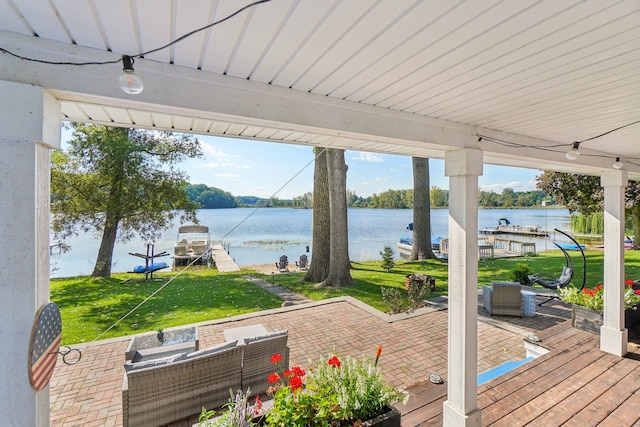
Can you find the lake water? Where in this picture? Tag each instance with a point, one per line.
(262, 236)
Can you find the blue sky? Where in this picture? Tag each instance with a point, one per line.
(255, 168)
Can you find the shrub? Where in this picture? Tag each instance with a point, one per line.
(521, 273)
(387, 258)
(395, 299)
(418, 290)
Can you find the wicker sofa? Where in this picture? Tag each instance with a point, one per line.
(169, 389)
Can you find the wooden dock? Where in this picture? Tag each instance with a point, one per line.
(222, 259)
(514, 231)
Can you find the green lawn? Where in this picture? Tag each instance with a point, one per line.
(89, 306)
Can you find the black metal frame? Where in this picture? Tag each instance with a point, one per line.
(569, 264)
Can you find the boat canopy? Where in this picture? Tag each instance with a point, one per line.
(506, 221)
(193, 229)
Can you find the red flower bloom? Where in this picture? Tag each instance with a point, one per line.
(276, 358)
(273, 378)
(628, 282)
(295, 383)
(637, 292)
(297, 370)
(334, 361)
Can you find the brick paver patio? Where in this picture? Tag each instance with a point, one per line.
(414, 346)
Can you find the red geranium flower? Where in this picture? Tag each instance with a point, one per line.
(334, 361)
(276, 358)
(295, 383)
(628, 282)
(258, 405)
(637, 292)
(273, 378)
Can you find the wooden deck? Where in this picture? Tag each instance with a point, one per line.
(221, 258)
(575, 384)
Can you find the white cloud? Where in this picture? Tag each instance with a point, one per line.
(226, 175)
(212, 152)
(369, 158)
(379, 179)
(514, 185)
(216, 165)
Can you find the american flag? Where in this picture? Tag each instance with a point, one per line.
(45, 343)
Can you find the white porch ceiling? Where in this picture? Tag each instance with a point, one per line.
(430, 75)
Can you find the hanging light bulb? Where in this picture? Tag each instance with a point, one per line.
(574, 153)
(617, 164)
(130, 82)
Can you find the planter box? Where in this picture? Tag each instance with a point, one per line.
(391, 418)
(586, 319)
(591, 320)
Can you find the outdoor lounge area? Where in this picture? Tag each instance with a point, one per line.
(547, 85)
(89, 393)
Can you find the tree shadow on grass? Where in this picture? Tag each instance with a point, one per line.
(95, 304)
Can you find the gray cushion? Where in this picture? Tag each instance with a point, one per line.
(212, 350)
(129, 366)
(266, 336)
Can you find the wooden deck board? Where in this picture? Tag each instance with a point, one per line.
(575, 384)
(622, 417)
(613, 396)
(425, 403)
(545, 396)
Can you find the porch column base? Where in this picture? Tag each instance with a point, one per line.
(614, 341)
(451, 417)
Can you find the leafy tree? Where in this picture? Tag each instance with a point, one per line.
(120, 183)
(578, 193)
(421, 247)
(508, 197)
(583, 193)
(211, 197)
(439, 197)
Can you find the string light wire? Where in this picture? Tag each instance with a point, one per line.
(552, 148)
(142, 54)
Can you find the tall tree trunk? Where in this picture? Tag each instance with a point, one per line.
(339, 263)
(635, 223)
(102, 267)
(319, 268)
(421, 248)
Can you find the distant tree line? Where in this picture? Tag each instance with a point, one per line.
(215, 198)
(403, 199)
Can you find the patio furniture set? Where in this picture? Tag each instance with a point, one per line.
(172, 379)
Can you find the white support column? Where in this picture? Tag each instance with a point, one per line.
(613, 335)
(30, 128)
(461, 408)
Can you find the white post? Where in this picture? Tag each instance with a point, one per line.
(613, 335)
(30, 127)
(461, 408)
